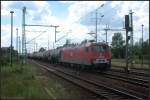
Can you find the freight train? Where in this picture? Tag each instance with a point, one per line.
(87, 55)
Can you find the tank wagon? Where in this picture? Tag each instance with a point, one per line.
(88, 54)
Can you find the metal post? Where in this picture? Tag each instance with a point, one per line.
(19, 45)
(17, 42)
(11, 37)
(106, 32)
(23, 36)
(55, 32)
(96, 21)
(126, 27)
(149, 65)
(17, 39)
(142, 46)
(149, 52)
(0, 48)
(96, 27)
(126, 50)
(131, 37)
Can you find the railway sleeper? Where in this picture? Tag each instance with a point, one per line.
(85, 84)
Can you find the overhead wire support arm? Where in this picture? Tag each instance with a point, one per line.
(34, 31)
(110, 29)
(46, 26)
(24, 50)
(42, 25)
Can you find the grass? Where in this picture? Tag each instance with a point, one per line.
(19, 81)
(28, 83)
(136, 64)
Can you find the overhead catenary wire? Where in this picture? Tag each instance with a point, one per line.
(35, 37)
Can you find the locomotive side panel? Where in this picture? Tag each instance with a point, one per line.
(94, 55)
(74, 56)
(98, 56)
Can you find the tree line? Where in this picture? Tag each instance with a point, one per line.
(118, 47)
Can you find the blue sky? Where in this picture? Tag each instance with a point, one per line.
(69, 15)
(59, 9)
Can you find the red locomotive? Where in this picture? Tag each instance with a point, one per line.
(87, 55)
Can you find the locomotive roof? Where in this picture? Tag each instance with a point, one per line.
(89, 43)
(84, 45)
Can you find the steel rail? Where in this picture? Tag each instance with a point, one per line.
(121, 93)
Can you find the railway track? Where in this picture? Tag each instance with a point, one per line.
(102, 89)
(126, 78)
(134, 71)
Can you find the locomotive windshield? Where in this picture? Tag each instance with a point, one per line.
(100, 48)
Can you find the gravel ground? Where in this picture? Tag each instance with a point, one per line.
(59, 88)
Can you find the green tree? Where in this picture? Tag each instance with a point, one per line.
(118, 48)
(5, 55)
(139, 50)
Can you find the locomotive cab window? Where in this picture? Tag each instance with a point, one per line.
(106, 48)
(97, 48)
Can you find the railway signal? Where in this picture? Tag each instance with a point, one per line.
(129, 40)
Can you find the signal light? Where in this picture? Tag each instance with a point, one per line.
(127, 22)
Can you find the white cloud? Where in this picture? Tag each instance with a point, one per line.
(140, 16)
(40, 4)
(5, 10)
(42, 14)
(79, 9)
(115, 3)
(6, 34)
(76, 11)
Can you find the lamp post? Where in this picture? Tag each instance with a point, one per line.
(11, 37)
(96, 21)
